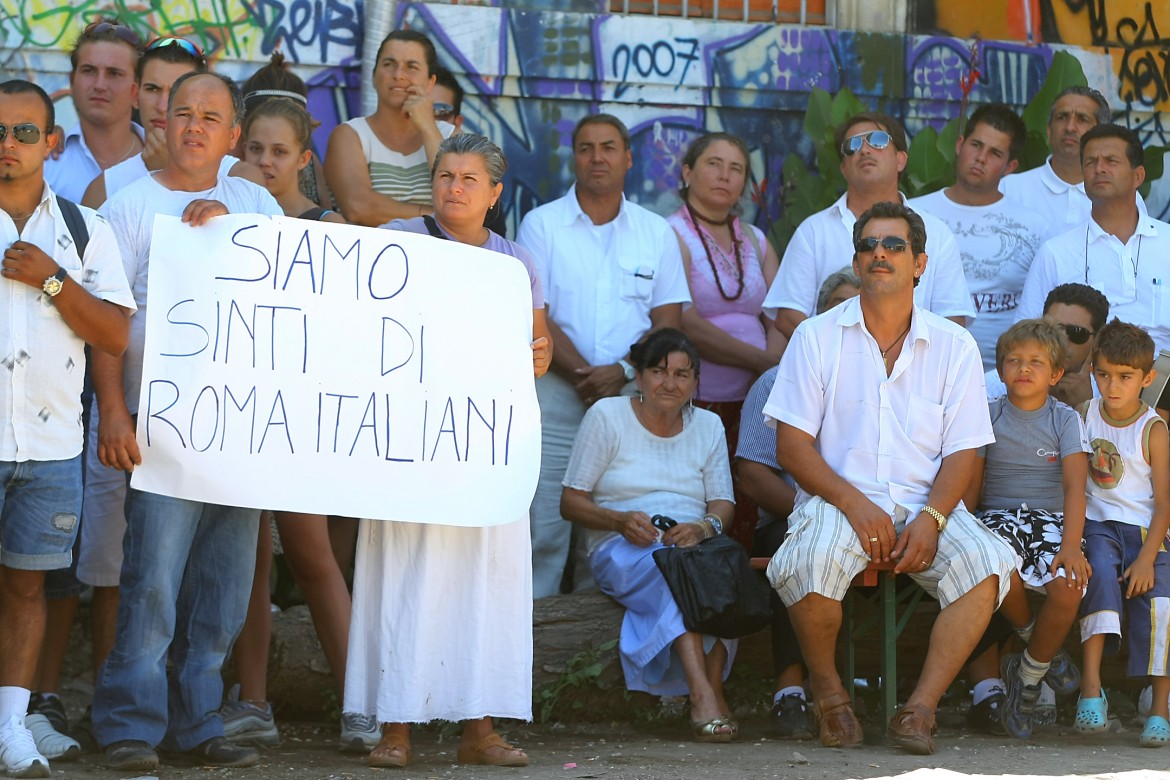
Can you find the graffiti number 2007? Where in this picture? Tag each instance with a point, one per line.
(661, 58)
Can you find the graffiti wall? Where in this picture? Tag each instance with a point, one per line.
(531, 74)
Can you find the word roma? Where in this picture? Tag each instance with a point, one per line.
(445, 429)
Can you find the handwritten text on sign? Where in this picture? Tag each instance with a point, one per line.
(314, 367)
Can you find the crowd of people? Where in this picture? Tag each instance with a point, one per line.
(932, 382)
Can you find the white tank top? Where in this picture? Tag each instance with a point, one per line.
(1120, 483)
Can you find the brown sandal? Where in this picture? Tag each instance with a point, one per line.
(477, 753)
(383, 756)
(912, 729)
(838, 725)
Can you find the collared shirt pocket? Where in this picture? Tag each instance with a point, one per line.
(924, 426)
(637, 282)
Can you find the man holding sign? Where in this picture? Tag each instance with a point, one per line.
(187, 571)
(59, 291)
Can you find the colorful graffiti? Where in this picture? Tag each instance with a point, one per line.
(531, 74)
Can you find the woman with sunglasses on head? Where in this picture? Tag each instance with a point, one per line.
(729, 265)
(378, 166)
(162, 62)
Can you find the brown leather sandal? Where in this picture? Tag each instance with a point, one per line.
(392, 751)
(478, 753)
(838, 725)
(912, 728)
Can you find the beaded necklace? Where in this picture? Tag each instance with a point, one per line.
(735, 243)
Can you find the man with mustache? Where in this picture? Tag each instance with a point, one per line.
(879, 407)
(873, 155)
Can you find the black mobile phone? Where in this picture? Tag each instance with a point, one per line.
(663, 523)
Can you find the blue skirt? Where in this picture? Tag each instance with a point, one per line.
(629, 575)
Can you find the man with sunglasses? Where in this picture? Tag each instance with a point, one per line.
(884, 485)
(56, 301)
(102, 84)
(1119, 250)
(873, 155)
(997, 237)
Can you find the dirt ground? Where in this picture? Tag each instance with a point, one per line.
(628, 752)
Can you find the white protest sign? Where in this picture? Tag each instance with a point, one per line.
(314, 367)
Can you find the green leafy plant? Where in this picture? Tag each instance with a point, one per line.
(583, 669)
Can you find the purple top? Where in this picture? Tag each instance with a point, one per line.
(739, 317)
(495, 243)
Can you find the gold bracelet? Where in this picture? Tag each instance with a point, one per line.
(938, 516)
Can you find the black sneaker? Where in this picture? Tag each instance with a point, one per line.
(217, 751)
(51, 707)
(792, 717)
(131, 754)
(985, 717)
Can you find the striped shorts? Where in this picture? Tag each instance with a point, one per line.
(822, 555)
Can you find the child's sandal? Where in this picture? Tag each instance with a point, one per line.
(1156, 732)
(1092, 715)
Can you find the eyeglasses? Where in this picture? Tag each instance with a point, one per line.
(26, 133)
(182, 43)
(1076, 333)
(889, 243)
(444, 111)
(877, 139)
(117, 28)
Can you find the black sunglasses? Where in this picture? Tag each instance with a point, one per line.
(877, 139)
(182, 43)
(117, 28)
(1076, 333)
(25, 133)
(889, 243)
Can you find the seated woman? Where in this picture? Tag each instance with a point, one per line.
(656, 455)
(442, 615)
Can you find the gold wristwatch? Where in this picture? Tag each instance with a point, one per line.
(938, 516)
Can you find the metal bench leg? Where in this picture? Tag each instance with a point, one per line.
(850, 654)
(889, 645)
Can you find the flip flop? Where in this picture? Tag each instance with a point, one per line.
(388, 745)
(714, 730)
(477, 753)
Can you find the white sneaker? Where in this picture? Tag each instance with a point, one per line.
(359, 733)
(50, 742)
(18, 750)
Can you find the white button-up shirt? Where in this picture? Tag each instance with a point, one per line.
(43, 359)
(823, 245)
(1063, 205)
(601, 281)
(1134, 276)
(885, 435)
(71, 173)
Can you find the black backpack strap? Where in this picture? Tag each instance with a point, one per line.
(433, 227)
(76, 224)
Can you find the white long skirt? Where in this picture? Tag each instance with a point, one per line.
(442, 623)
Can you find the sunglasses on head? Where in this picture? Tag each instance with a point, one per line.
(889, 243)
(25, 133)
(1076, 333)
(877, 139)
(117, 28)
(182, 43)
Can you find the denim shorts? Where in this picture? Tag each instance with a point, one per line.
(39, 508)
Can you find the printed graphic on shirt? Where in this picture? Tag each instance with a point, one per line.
(1106, 466)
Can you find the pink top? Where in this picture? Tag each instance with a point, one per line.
(739, 317)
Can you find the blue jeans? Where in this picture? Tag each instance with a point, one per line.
(186, 578)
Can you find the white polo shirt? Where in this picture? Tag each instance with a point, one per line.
(601, 281)
(71, 173)
(886, 435)
(1062, 205)
(1134, 276)
(40, 393)
(823, 245)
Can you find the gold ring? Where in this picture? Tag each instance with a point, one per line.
(873, 538)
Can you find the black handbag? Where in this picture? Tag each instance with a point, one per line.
(715, 588)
